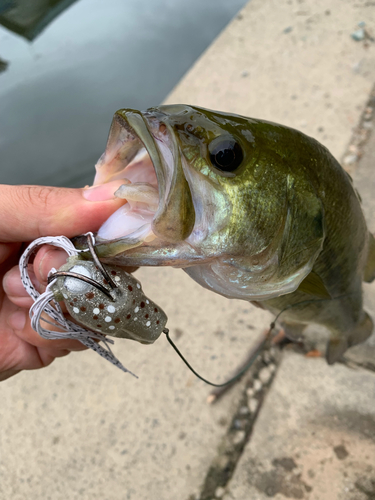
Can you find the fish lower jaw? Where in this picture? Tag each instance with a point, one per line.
(139, 190)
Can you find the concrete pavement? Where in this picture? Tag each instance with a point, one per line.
(82, 429)
(314, 437)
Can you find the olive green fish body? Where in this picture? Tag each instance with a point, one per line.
(341, 262)
(249, 209)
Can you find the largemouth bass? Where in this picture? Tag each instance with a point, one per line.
(249, 209)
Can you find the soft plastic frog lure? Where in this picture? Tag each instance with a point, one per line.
(105, 302)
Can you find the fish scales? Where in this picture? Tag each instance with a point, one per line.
(250, 209)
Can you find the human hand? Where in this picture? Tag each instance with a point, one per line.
(27, 213)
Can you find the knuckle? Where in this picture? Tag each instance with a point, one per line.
(44, 195)
(34, 195)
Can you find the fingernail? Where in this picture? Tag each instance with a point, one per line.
(17, 320)
(103, 192)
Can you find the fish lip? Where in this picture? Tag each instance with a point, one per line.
(146, 127)
(130, 132)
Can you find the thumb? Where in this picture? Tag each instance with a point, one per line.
(29, 212)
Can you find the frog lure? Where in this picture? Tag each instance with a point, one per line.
(121, 310)
(249, 209)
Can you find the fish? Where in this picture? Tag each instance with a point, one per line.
(249, 209)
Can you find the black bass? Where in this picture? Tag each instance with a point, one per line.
(249, 209)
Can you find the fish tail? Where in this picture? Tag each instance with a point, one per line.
(339, 342)
(336, 347)
(369, 272)
(363, 330)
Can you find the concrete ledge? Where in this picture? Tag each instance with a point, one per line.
(81, 429)
(291, 62)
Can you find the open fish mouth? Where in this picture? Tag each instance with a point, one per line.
(143, 153)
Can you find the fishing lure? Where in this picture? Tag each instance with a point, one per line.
(107, 303)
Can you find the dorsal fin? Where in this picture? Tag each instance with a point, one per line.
(369, 272)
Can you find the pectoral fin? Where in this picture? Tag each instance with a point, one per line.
(313, 285)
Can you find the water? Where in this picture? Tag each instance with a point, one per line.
(59, 93)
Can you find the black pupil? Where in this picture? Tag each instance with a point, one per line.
(225, 154)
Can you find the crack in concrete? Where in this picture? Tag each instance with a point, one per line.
(360, 137)
(258, 383)
(366, 365)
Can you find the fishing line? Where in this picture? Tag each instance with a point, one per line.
(231, 380)
(257, 350)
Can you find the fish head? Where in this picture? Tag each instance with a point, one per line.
(208, 192)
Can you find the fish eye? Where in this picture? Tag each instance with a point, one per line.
(225, 153)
